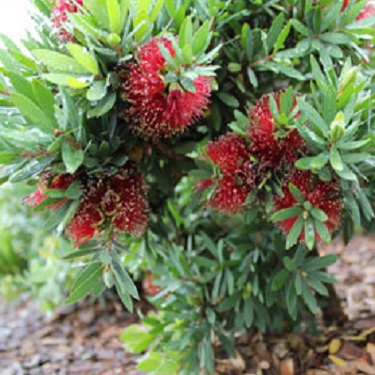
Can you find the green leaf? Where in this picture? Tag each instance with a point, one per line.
(309, 233)
(229, 99)
(228, 303)
(291, 300)
(279, 280)
(365, 203)
(103, 106)
(304, 163)
(81, 253)
(286, 213)
(275, 31)
(66, 79)
(319, 161)
(74, 191)
(125, 297)
(314, 117)
(289, 264)
(57, 217)
(85, 282)
(136, 338)
(83, 57)
(20, 84)
(70, 212)
(97, 91)
(98, 8)
(247, 41)
(114, 16)
(335, 160)
(33, 113)
(282, 37)
(319, 214)
(156, 11)
(151, 362)
(298, 284)
(141, 24)
(57, 62)
(295, 232)
(336, 38)
(186, 33)
(318, 286)
(297, 193)
(32, 168)
(7, 157)
(320, 262)
(286, 70)
(248, 312)
(77, 83)
(347, 174)
(310, 136)
(187, 54)
(124, 280)
(45, 99)
(309, 298)
(72, 157)
(201, 39)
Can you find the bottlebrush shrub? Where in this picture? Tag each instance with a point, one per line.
(262, 109)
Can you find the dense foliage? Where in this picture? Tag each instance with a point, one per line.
(211, 144)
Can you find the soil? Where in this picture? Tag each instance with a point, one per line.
(83, 339)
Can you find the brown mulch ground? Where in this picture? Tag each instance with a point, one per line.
(75, 340)
(84, 340)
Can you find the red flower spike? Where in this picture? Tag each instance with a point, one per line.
(148, 285)
(265, 144)
(132, 211)
(368, 11)
(229, 195)
(60, 16)
(49, 182)
(228, 153)
(157, 110)
(324, 195)
(118, 201)
(85, 224)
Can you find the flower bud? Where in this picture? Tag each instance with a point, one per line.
(113, 39)
(108, 278)
(337, 127)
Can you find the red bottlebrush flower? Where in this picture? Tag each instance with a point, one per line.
(324, 195)
(118, 201)
(229, 195)
(131, 213)
(49, 182)
(158, 110)
(368, 11)
(60, 16)
(86, 223)
(148, 285)
(229, 152)
(204, 184)
(265, 144)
